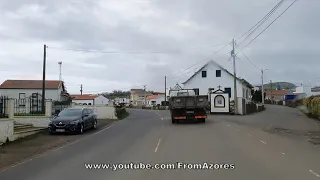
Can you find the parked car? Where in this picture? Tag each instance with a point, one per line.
(73, 120)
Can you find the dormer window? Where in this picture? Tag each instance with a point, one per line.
(204, 74)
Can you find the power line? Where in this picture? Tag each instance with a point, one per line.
(269, 25)
(205, 59)
(250, 61)
(262, 21)
(252, 28)
(127, 51)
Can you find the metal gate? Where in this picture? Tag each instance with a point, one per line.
(3, 107)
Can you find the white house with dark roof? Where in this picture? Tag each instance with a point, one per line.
(212, 75)
(20, 89)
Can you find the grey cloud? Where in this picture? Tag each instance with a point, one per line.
(288, 49)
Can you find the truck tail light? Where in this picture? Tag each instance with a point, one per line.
(198, 117)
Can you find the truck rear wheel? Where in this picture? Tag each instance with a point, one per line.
(203, 120)
(173, 121)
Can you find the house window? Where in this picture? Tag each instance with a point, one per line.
(204, 74)
(228, 90)
(218, 73)
(22, 95)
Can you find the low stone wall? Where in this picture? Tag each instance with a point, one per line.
(36, 121)
(102, 112)
(6, 130)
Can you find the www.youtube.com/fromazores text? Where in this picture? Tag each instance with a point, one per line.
(161, 166)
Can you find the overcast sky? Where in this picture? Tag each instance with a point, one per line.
(145, 40)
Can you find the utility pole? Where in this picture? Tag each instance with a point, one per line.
(145, 95)
(44, 78)
(81, 89)
(235, 78)
(165, 89)
(271, 90)
(262, 86)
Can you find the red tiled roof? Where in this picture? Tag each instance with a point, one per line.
(152, 97)
(30, 84)
(277, 92)
(84, 96)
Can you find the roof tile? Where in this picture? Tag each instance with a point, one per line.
(30, 84)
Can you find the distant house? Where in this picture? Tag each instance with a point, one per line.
(121, 100)
(212, 75)
(303, 91)
(21, 89)
(155, 99)
(315, 91)
(89, 99)
(278, 95)
(137, 96)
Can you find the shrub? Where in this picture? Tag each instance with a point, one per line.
(268, 101)
(261, 108)
(313, 106)
(121, 113)
(162, 108)
(280, 103)
(251, 108)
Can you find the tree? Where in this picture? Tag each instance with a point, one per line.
(116, 93)
(257, 96)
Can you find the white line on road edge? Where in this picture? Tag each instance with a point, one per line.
(158, 145)
(55, 149)
(314, 173)
(263, 142)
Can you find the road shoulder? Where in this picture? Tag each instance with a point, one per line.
(19, 150)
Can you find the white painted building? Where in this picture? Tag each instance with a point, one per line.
(89, 99)
(315, 91)
(121, 100)
(212, 75)
(303, 91)
(155, 100)
(21, 89)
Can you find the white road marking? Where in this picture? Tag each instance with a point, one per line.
(263, 142)
(283, 153)
(162, 119)
(158, 145)
(314, 173)
(58, 148)
(229, 125)
(249, 135)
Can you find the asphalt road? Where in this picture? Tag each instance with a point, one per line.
(149, 137)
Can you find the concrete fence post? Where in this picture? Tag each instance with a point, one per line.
(48, 108)
(11, 108)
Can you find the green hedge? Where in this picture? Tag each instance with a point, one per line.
(121, 113)
(313, 105)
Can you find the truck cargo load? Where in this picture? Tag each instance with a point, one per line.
(184, 104)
